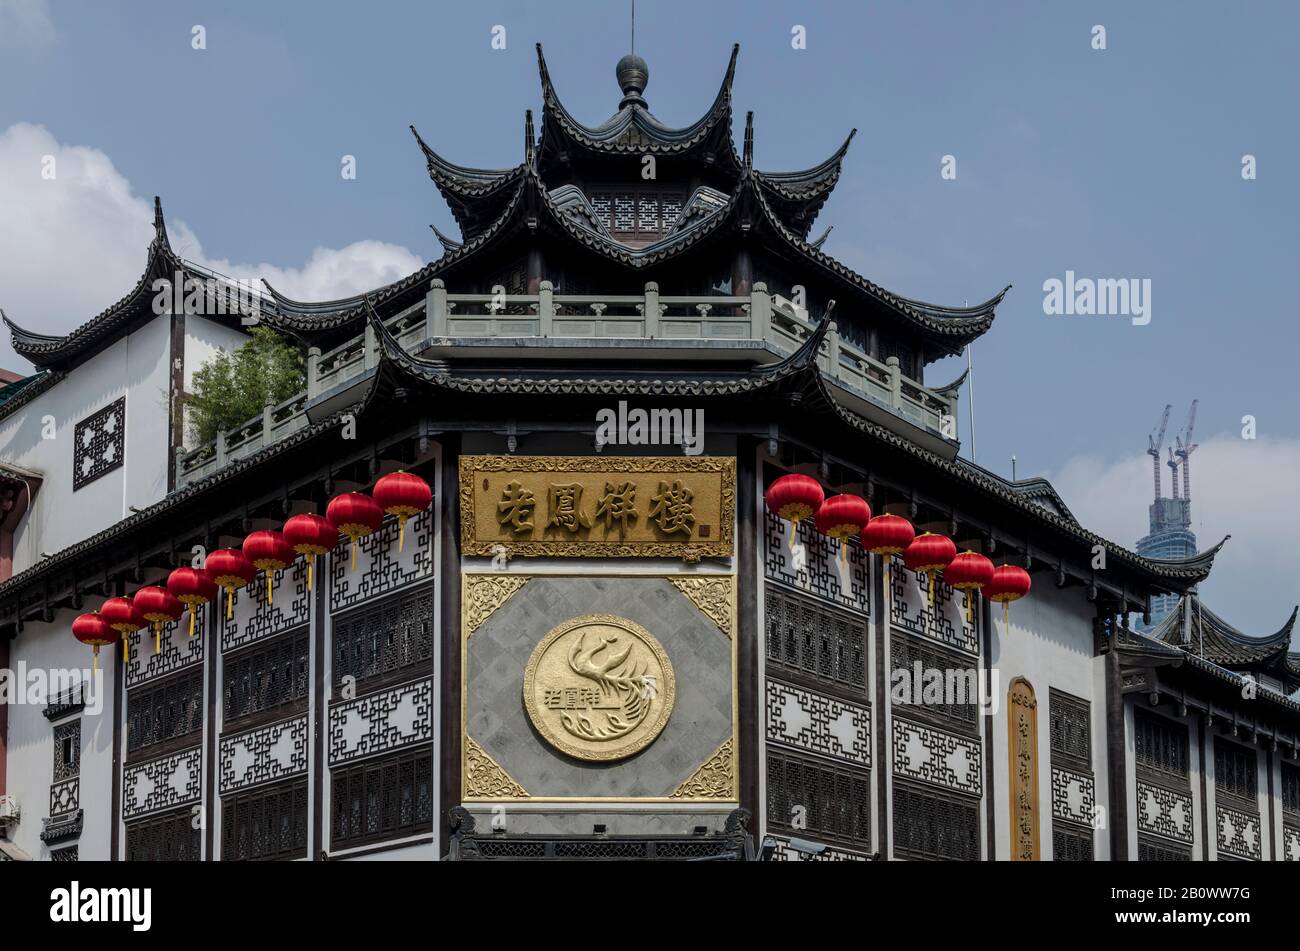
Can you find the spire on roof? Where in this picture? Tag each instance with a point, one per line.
(159, 226)
(749, 139)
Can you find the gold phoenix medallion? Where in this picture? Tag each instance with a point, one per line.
(599, 687)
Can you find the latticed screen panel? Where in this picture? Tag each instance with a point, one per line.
(643, 212)
(99, 444)
(382, 799)
(388, 636)
(1157, 850)
(67, 750)
(1071, 728)
(170, 710)
(268, 823)
(1160, 744)
(932, 826)
(1071, 845)
(907, 651)
(70, 854)
(170, 837)
(809, 797)
(806, 636)
(269, 677)
(1235, 771)
(1291, 788)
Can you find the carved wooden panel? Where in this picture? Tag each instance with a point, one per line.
(381, 722)
(1164, 811)
(1022, 756)
(818, 724)
(1238, 833)
(934, 756)
(262, 756)
(99, 444)
(162, 783)
(818, 567)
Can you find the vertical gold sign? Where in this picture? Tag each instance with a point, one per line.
(598, 507)
(1022, 755)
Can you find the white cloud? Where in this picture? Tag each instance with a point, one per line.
(1240, 487)
(26, 23)
(72, 245)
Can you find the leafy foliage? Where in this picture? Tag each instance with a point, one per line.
(232, 388)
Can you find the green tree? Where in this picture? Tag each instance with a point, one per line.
(231, 388)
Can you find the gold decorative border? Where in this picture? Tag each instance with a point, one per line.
(681, 794)
(487, 593)
(715, 779)
(691, 551)
(668, 693)
(712, 595)
(484, 777)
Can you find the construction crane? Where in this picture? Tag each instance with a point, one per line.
(1173, 473)
(1154, 442)
(1185, 449)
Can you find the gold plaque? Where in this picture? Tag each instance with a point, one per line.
(599, 687)
(597, 506)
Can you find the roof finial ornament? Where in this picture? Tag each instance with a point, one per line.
(632, 72)
(159, 226)
(749, 140)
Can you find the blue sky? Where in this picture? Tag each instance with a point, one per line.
(1117, 163)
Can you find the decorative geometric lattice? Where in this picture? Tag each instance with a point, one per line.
(818, 724)
(381, 568)
(269, 823)
(806, 636)
(934, 756)
(1290, 843)
(813, 797)
(909, 607)
(67, 750)
(381, 722)
(170, 837)
(269, 676)
(908, 656)
(262, 756)
(69, 854)
(162, 783)
(930, 825)
(821, 570)
(179, 650)
(1238, 833)
(172, 709)
(255, 619)
(99, 444)
(1164, 811)
(1074, 796)
(381, 799)
(1291, 788)
(389, 635)
(65, 797)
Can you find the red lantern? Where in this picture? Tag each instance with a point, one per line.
(794, 497)
(227, 568)
(930, 554)
(311, 535)
(121, 615)
(842, 517)
(92, 629)
(969, 572)
(1009, 583)
(404, 495)
(355, 515)
(158, 606)
(192, 587)
(268, 551)
(887, 535)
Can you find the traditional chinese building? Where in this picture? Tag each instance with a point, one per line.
(597, 641)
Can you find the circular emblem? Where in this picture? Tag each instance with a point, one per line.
(599, 687)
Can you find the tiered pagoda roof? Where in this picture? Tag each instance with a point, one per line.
(1200, 631)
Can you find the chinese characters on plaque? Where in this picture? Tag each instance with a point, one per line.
(627, 506)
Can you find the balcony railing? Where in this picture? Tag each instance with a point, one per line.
(755, 327)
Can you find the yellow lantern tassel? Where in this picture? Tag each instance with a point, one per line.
(230, 603)
(1006, 613)
(401, 532)
(310, 559)
(157, 637)
(193, 607)
(354, 553)
(94, 664)
(270, 583)
(126, 650)
(794, 530)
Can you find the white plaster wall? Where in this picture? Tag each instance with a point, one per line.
(135, 366)
(31, 746)
(1049, 642)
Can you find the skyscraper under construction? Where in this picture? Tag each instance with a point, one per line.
(1170, 535)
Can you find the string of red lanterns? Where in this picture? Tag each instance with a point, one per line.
(355, 515)
(192, 587)
(795, 497)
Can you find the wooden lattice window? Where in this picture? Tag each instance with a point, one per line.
(808, 796)
(929, 825)
(67, 750)
(1151, 849)
(382, 799)
(1236, 772)
(806, 636)
(270, 677)
(170, 837)
(388, 636)
(168, 711)
(1161, 744)
(267, 823)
